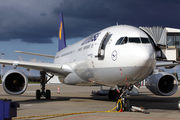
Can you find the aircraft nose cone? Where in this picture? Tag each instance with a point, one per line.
(144, 56)
(143, 61)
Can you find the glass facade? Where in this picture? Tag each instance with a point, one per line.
(177, 41)
(170, 40)
(173, 39)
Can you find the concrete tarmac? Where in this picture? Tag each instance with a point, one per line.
(73, 99)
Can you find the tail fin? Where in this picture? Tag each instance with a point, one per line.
(62, 39)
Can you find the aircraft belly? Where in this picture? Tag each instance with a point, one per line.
(114, 76)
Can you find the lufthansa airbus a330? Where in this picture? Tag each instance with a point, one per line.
(118, 56)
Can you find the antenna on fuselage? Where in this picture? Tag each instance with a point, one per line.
(117, 23)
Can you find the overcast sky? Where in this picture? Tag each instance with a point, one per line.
(32, 25)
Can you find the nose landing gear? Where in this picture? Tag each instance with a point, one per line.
(125, 103)
(120, 94)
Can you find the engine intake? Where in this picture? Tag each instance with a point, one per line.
(162, 83)
(14, 82)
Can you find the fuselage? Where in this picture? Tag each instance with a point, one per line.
(118, 55)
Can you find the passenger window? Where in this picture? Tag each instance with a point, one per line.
(145, 40)
(119, 41)
(134, 40)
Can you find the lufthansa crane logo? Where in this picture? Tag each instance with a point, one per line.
(60, 31)
(114, 55)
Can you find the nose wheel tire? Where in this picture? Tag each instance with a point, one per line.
(119, 105)
(127, 106)
(124, 106)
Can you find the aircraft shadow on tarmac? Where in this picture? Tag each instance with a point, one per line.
(154, 102)
(65, 98)
(145, 101)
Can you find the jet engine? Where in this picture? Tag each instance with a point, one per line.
(162, 83)
(14, 82)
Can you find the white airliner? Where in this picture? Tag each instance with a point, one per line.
(118, 56)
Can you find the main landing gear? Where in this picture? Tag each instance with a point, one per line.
(41, 93)
(121, 96)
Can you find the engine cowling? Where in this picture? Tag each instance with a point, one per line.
(15, 82)
(162, 83)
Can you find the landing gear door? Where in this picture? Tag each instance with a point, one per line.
(98, 49)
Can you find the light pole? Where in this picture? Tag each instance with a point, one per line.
(2, 66)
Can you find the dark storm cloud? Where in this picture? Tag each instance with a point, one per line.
(43, 14)
(37, 40)
(29, 21)
(37, 20)
(85, 17)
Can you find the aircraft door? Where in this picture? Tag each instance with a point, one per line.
(99, 48)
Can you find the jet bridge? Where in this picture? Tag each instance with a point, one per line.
(166, 42)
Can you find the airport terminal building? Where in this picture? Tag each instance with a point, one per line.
(168, 39)
(168, 42)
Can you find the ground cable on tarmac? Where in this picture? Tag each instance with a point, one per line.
(60, 115)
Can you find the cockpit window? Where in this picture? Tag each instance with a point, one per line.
(134, 40)
(119, 41)
(145, 40)
(122, 40)
(125, 40)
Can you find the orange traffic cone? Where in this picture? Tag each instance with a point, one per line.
(58, 90)
(120, 110)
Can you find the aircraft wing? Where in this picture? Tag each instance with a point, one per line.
(37, 54)
(166, 64)
(57, 69)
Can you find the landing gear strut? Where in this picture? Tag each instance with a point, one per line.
(124, 104)
(41, 93)
(120, 95)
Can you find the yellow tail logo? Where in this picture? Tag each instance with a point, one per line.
(60, 31)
